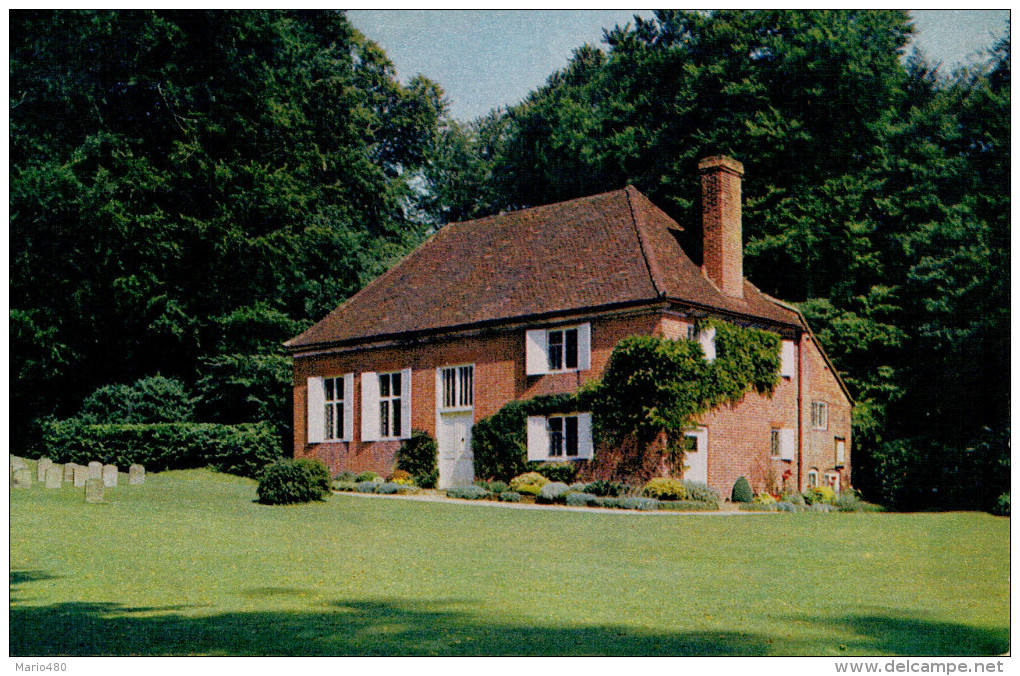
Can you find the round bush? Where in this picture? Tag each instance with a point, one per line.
(318, 474)
(418, 456)
(366, 476)
(365, 486)
(530, 483)
(581, 499)
(509, 496)
(603, 488)
(400, 476)
(742, 491)
(1002, 505)
(388, 488)
(700, 492)
(664, 488)
(289, 482)
(554, 491)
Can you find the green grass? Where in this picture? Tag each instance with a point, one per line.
(189, 564)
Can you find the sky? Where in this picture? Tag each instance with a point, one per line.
(489, 58)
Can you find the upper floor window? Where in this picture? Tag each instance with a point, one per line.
(788, 359)
(819, 415)
(704, 336)
(558, 349)
(330, 411)
(457, 385)
(840, 451)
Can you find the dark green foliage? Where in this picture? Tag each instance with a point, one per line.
(643, 504)
(509, 496)
(742, 491)
(344, 476)
(850, 501)
(496, 487)
(318, 474)
(604, 488)
(418, 457)
(563, 472)
(289, 482)
(388, 488)
(468, 493)
(581, 500)
(149, 400)
(1001, 507)
(238, 449)
(366, 476)
(345, 486)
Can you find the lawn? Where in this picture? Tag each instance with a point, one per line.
(189, 564)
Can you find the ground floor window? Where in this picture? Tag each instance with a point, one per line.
(812, 478)
(559, 437)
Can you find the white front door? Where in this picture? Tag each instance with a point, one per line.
(456, 462)
(697, 458)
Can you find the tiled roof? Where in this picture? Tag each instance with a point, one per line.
(604, 250)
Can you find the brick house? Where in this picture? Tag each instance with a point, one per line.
(532, 302)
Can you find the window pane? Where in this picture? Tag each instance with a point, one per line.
(571, 435)
(570, 357)
(396, 417)
(555, 436)
(339, 421)
(384, 418)
(396, 384)
(555, 350)
(328, 426)
(329, 384)
(339, 389)
(384, 385)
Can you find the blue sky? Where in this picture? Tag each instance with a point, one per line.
(488, 58)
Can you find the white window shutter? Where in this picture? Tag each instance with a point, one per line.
(348, 431)
(707, 340)
(787, 444)
(584, 347)
(316, 404)
(538, 438)
(369, 406)
(405, 404)
(585, 448)
(788, 366)
(536, 356)
(840, 452)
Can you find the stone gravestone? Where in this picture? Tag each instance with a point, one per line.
(55, 476)
(136, 475)
(69, 472)
(95, 470)
(22, 478)
(94, 490)
(81, 475)
(109, 475)
(18, 463)
(44, 464)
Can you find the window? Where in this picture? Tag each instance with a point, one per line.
(783, 443)
(819, 415)
(705, 337)
(385, 405)
(329, 408)
(788, 359)
(389, 405)
(559, 349)
(457, 387)
(775, 442)
(559, 437)
(812, 478)
(840, 452)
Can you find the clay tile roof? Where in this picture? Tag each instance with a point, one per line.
(588, 253)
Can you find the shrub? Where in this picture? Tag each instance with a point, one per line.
(499, 443)
(742, 491)
(289, 482)
(318, 474)
(605, 488)
(388, 488)
(244, 450)
(344, 476)
(468, 492)
(784, 506)
(405, 489)
(643, 504)
(492, 486)
(509, 496)
(822, 507)
(793, 499)
(1001, 505)
(399, 476)
(562, 472)
(554, 491)
(700, 492)
(346, 486)
(758, 507)
(147, 401)
(581, 499)
(418, 456)
(664, 488)
(850, 501)
(688, 506)
(366, 476)
(820, 494)
(530, 483)
(365, 486)
(764, 499)
(603, 501)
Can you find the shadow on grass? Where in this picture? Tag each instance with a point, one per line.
(393, 628)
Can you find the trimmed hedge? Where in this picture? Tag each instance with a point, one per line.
(244, 449)
(289, 482)
(468, 493)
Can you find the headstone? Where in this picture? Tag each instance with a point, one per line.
(81, 475)
(94, 490)
(18, 463)
(69, 472)
(95, 470)
(109, 476)
(54, 476)
(22, 478)
(44, 464)
(136, 475)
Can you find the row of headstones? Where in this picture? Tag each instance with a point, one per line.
(94, 477)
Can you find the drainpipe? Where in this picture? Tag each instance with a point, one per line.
(800, 412)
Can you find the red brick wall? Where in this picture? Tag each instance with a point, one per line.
(819, 446)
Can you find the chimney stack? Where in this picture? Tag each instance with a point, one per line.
(721, 227)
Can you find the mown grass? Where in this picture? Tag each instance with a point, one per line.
(189, 564)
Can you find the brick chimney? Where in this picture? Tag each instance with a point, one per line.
(720, 217)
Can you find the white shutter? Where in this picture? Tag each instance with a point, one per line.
(788, 366)
(369, 406)
(538, 438)
(707, 340)
(584, 347)
(348, 431)
(405, 404)
(787, 444)
(316, 404)
(536, 356)
(840, 452)
(584, 442)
